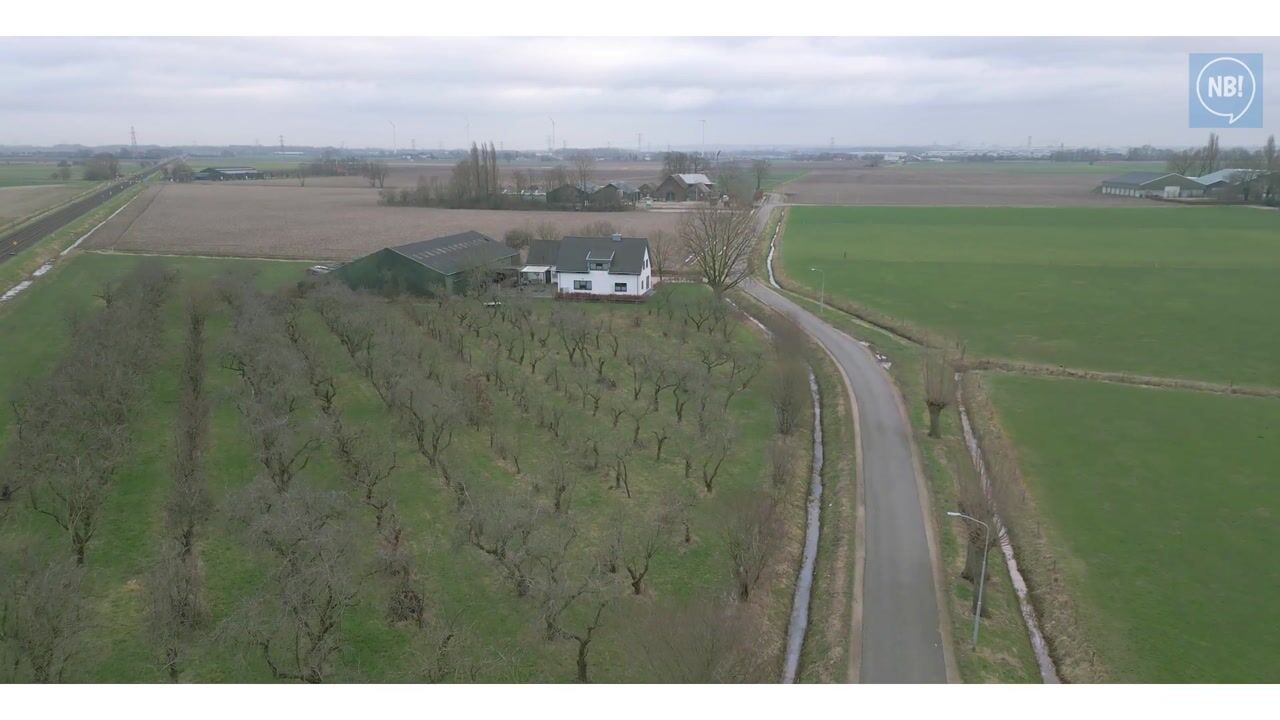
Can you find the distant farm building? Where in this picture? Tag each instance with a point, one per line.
(442, 265)
(1153, 184)
(613, 267)
(685, 187)
(228, 173)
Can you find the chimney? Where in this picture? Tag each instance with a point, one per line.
(617, 237)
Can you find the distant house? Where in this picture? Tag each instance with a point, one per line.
(685, 187)
(228, 173)
(646, 189)
(443, 264)
(606, 267)
(571, 194)
(606, 196)
(1153, 184)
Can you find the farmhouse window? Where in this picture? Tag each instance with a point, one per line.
(620, 287)
(581, 284)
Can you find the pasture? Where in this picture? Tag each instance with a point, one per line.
(540, 510)
(1161, 509)
(1177, 292)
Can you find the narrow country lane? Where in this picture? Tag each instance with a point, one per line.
(901, 631)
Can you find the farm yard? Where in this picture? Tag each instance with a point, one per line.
(288, 221)
(526, 491)
(1142, 515)
(954, 184)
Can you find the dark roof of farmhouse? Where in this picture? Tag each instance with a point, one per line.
(1139, 178)
(543, 252)
(456, 253)
(626, 254)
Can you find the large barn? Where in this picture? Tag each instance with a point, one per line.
(1153, 184)
(443, 264)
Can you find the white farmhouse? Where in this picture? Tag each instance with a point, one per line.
(616, 266)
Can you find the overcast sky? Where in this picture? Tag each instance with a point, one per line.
(784, 91)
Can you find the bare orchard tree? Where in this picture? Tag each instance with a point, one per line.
(939, 388)
(176, 605)
(751, 536)
(41, 618)
(719, 243)
(296, 622)
(789, 393)
(700, 641)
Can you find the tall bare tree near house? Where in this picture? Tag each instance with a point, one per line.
(42, 617)
(939, 388)
(720, 244)
(584, 165)
(663, 252)
(760, 169)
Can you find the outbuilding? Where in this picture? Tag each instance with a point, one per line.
(228, 173)
(685, 187)
(1153, 184)
(427, 267)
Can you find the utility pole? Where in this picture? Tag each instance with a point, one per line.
(133, 140)
(281, 143)
(393, 137)
(553, 134)
(704, 138)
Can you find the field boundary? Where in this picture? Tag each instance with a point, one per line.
(1056, 609)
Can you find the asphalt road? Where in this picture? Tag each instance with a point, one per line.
(901, 636)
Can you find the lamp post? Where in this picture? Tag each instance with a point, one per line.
(822, 291)
(982, 576)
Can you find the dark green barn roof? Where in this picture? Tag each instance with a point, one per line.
(453, 254)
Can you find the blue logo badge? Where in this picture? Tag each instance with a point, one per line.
(1225, 90)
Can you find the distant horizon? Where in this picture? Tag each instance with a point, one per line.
(601, 92)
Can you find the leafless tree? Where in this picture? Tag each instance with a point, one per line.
(702, 640)
(664, 252)
(584, 164)
(750, 538)
(296, 622)
(939, 388)
(375, 171)
(42, 616)
(789, 394)
(761, 168)
(176, 605)
(720, 244)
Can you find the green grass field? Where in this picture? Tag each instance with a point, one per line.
(13, 174)
(1162, 506)
(500, 632)
(1178, 292)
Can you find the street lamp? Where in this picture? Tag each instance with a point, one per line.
(822, 292)
(982, 576)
